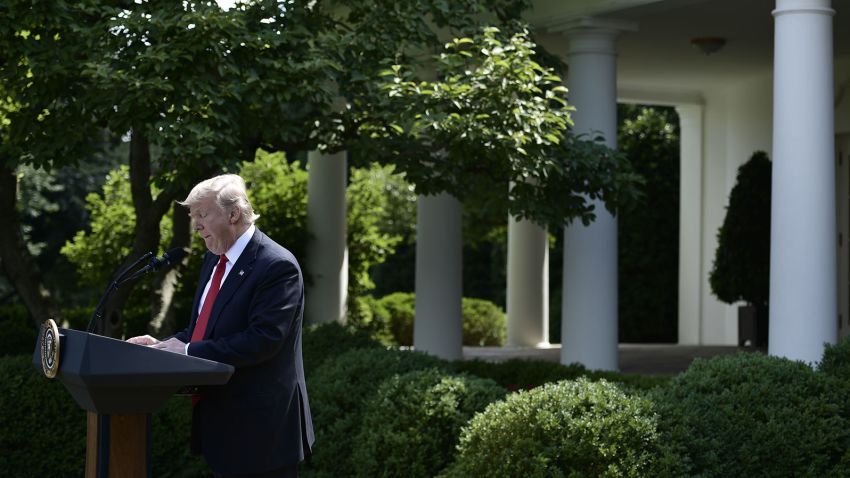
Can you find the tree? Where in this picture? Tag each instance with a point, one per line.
(41, 85)
(741, 270)
(497, 119)
(649, 227)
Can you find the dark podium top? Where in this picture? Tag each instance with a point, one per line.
(107, 375)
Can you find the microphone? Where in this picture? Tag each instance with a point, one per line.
(173, 256)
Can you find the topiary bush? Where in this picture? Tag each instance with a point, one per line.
(569, 428)
(411, 424)
(339, 389)
(751, 414)
(741, 270)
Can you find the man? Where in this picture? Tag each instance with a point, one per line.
(247, 312)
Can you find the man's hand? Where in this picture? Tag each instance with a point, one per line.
(171, 345)
(143, 340)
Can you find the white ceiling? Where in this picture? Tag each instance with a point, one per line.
(659, 55)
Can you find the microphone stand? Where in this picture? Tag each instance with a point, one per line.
(97, 316)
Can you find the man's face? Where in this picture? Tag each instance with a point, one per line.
(216, 226)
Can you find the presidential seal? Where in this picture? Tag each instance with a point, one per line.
(49, 348)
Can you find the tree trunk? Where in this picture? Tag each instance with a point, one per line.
(163, 322)
(15, 258)
(149, 213)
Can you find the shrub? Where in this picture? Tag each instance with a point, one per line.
(321, 342)
(483, 321)
(521, 374)
(43, 430)
(368, 314)
(570, 428)
(836, 360)
(17, 332)
(401, 309)
(411, 424)
(339, 388)
(754, 415)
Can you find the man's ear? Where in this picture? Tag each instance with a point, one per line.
(235, 214)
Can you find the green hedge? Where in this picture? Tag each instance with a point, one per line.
(390, 319)
(338, 391)
(43, 430)
(751, 414)
(411, 424)
(836, 360)
(569, 428)
(521, 374)
(321, 342)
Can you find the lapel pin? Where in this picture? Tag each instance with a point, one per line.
(241, 273)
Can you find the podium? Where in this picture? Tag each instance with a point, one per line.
(120, 384)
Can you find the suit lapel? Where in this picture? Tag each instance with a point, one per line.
(235, 278)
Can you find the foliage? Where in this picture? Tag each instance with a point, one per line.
(569, 428)
(368, 209)
(483, 322)
(752, 414)
(412, 422)
(321, 342)
(368, 315)
(339, 389)
(464, 143)
(400, 308)
(393, 316)
(97, 253)
(741, 268)
(17, 334)
(278, 191)
(836, 360)
(521, 374)
(40, 418)
(648, 228)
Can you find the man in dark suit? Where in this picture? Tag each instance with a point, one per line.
(247, 312)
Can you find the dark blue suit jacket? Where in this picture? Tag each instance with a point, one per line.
(260, 420)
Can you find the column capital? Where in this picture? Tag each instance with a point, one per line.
(823, 7)
(592, 34)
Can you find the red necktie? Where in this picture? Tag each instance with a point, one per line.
(206, 309)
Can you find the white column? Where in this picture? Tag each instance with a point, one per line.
(528, 284)
(589, 310)
(327, 257)
(438, 328)
(690, 224)
(803, 296)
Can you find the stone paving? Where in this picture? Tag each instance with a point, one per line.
(645, 359)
